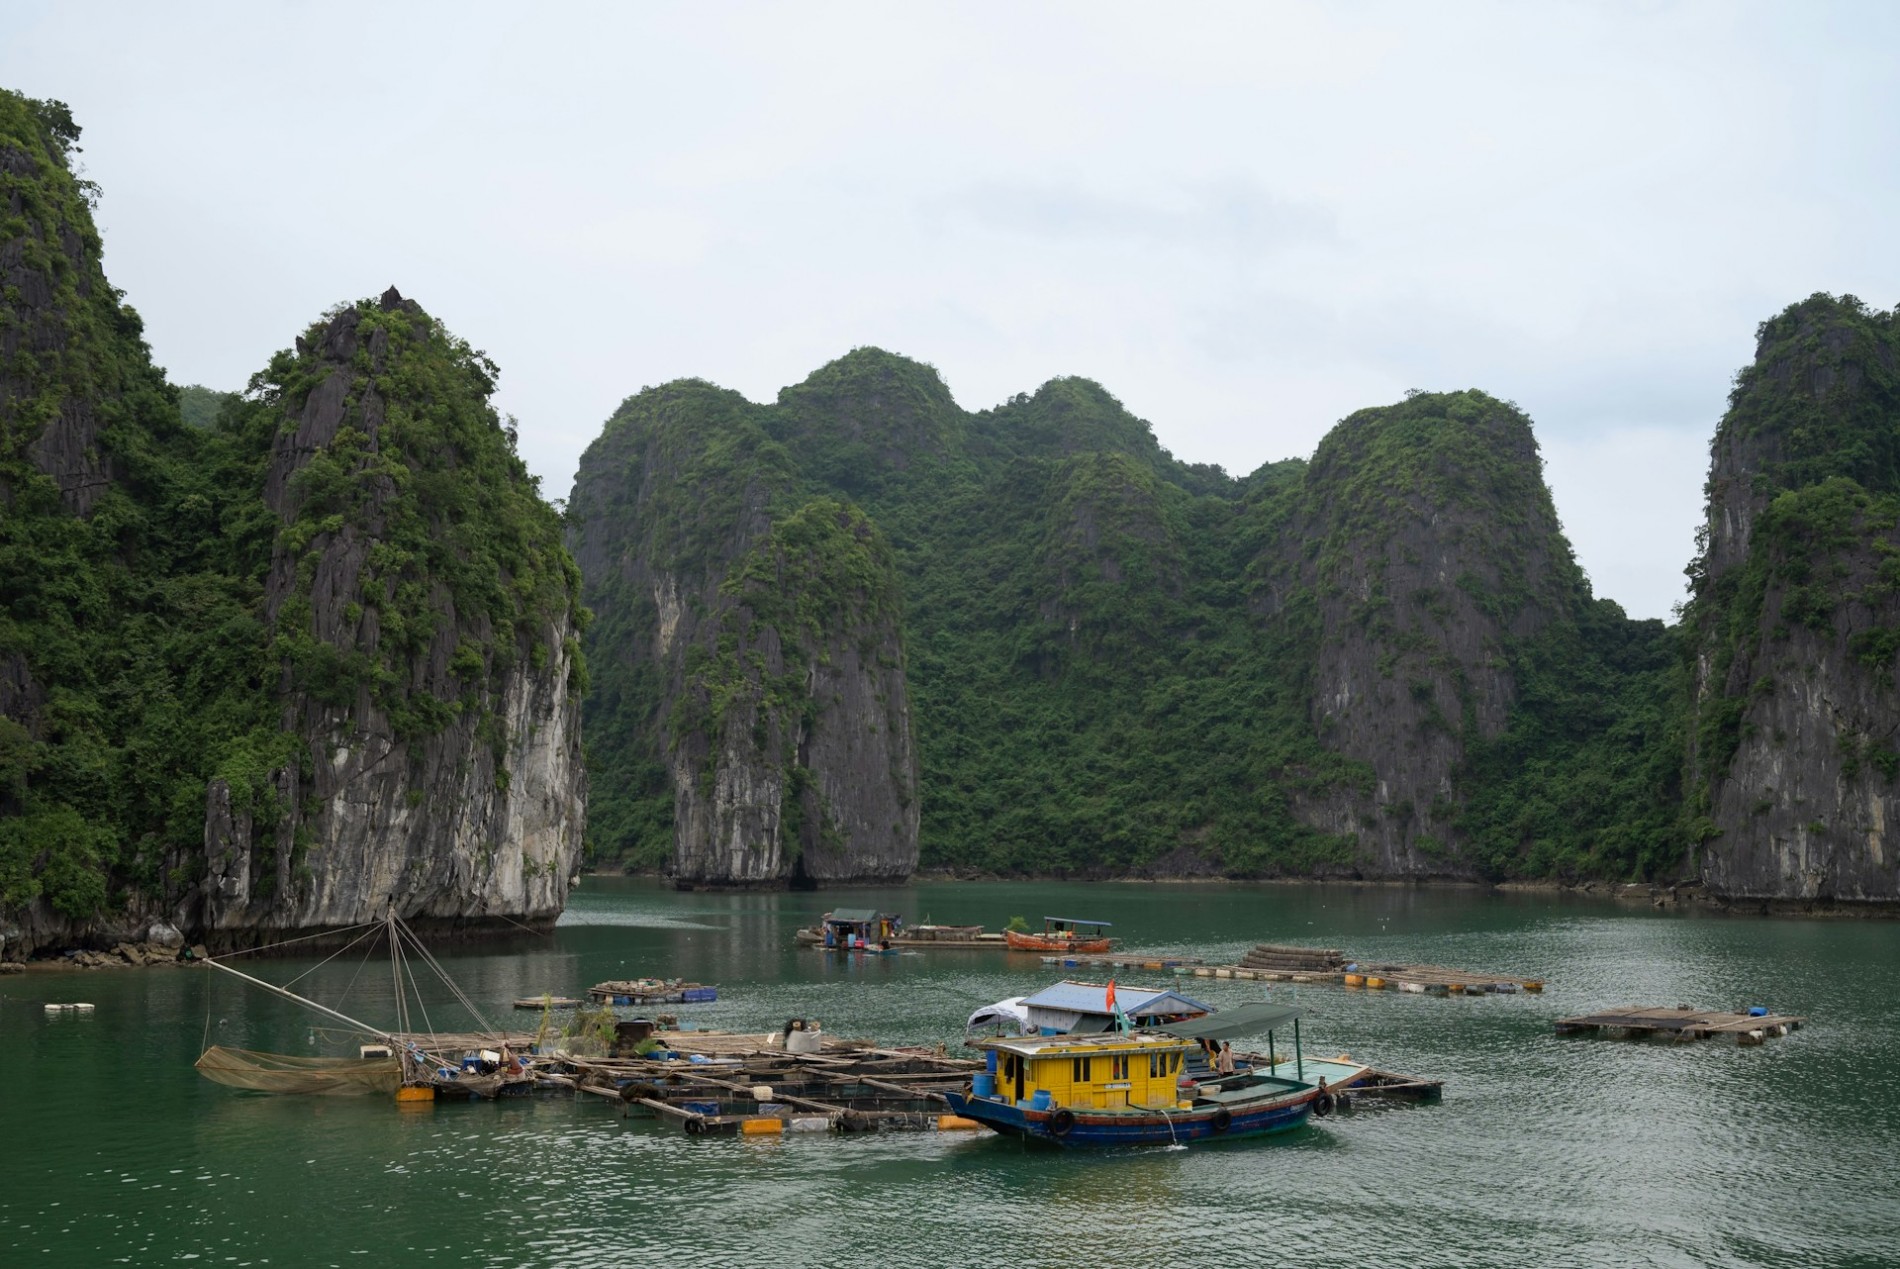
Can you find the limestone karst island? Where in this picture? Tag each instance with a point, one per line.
(971, 787)
(274, 661)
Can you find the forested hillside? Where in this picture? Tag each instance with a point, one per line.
(310, 657)
(1381, 663)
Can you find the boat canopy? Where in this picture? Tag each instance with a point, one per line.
(1049, 920)
(1230, 1024)
(851, 916)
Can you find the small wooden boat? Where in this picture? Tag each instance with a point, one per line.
(1133, 1088)
(1062, 934)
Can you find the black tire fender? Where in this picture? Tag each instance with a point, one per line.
(1062, 1122)
(695, 1126)
(1223, 1119)
(1324, 1105)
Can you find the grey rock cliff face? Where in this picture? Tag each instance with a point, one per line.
(475, 826)
(1806, 807)
(782, 722)
(1415, 592)
(54, 268)
(1795, 689)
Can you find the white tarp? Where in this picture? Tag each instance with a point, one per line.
(1004, 1015)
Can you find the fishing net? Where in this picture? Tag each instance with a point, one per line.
(283, 1073)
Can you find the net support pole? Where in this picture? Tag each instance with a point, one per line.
(291, 995)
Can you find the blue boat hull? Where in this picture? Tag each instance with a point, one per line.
(1097, 1129)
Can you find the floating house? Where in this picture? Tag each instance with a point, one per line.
(859, 927)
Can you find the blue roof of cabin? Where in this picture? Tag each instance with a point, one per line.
(1093, 998)
(1077, 920)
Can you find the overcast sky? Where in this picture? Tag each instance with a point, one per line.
(1245, 220)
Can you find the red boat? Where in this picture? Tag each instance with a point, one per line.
(1062, 934)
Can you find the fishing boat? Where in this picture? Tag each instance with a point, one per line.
(1134, 1088)
(1062, 934)
(487, 1063)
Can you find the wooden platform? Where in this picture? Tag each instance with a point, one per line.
(938, 940)
(1682, 1023)
(1285, 963)
(1120, 960)
(549, 1002)
(749, 1085)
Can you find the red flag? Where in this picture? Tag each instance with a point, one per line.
(1111, 995)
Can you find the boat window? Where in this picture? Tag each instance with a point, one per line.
(1119, 1067)
(1079, 1070)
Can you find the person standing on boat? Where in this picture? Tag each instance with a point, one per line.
(1224, 1065)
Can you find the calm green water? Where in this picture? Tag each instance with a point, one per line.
(1545, 1151)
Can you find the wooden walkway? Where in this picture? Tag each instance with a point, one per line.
(1682, 1023)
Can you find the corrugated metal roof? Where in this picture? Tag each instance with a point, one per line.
(1093, 998)
(1252, 1018)
(853, 914)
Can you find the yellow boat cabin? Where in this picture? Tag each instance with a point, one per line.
(1096, 1072)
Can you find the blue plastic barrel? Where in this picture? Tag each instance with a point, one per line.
(1042, 1100)
(989, 1061)
(1757, 1012)
(983, 1086)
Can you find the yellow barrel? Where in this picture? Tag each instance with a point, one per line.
(1355, 980)
(1375, 983)
(412, 1093)
(1533, 984)
(764, 1126)
(952, 1123)
(1456, 989)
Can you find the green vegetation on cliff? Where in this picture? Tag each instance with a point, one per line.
(1808, 456)
(130, 646)
(1110, 653)
(138, 655)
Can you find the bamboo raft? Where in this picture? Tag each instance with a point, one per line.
(1682, 1024)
